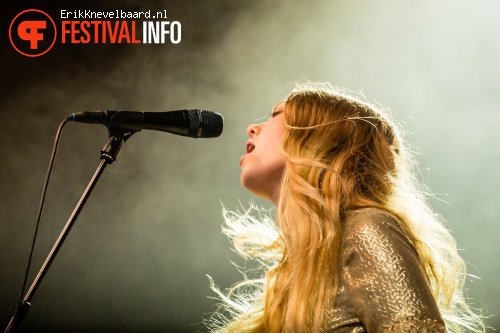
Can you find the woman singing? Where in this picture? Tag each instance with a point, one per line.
(354, 246)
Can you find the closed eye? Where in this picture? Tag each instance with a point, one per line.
(275, 113)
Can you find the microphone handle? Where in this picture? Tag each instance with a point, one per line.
(182, 122)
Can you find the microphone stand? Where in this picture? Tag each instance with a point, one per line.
(109, 154)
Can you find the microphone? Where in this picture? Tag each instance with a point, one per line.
(194, 123)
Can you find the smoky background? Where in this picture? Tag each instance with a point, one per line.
(136, 259)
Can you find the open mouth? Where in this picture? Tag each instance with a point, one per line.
(250, 147)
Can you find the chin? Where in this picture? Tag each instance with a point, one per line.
(246, 181)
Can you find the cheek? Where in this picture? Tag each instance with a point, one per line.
(272, 161)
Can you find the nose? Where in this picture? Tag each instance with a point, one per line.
(254, 129)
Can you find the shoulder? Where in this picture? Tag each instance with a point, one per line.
(377, 236)
(369, 216)
(383, 276)
(374, 222)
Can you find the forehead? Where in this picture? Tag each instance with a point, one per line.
(279, 107)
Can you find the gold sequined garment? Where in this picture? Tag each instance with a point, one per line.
(383, 288)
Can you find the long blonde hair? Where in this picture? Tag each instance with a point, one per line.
(342, 153)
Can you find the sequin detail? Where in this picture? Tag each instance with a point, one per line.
(416, 325)
(383, 287)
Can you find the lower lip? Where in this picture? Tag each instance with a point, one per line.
(241, 159)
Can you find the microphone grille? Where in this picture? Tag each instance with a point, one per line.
(212, 123)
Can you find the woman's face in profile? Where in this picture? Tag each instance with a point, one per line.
(263, 164)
